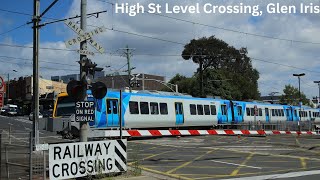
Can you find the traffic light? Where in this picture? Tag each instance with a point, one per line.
(99, 90)
(77, 90)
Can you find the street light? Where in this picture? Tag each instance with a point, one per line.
(8, 95)
(299, 75)
(318, 82)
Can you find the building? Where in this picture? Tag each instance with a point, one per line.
(21, 92)
(145, 81)
(271, 99)
(67, 78)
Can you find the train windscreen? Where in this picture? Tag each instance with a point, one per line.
(65, 106)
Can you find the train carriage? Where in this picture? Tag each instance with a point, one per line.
(163, 110)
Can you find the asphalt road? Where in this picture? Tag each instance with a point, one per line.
(225, 157)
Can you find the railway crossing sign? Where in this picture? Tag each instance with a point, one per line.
(82, 36)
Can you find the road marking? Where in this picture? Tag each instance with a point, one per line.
(236, 171)
(278, 176)
(303, 163)
(166, 174)
(189, 162)
(236, 164)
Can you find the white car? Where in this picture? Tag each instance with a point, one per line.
(31, 116)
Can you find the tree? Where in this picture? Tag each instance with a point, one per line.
(291, 96)
(217, 59)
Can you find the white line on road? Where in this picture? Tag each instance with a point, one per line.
(277, 176)
(236, 164)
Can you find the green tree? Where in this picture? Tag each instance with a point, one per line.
(291, 96)
(217, 62)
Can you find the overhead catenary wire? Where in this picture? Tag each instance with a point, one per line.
(13, 29)
(42, 61)
(42, 67)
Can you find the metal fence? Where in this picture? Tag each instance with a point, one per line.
(19, 160)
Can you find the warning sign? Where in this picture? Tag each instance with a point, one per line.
(85, 111)
(71, 160)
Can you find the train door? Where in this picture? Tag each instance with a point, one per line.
(267, 114)
(289, 114)
(179, 113)
(224, 113)
(112, 112)
(240, 113)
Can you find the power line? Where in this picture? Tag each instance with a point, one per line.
(43, 48)
(237, 31)
(25, 59)
(40, 67)
(229, 30)
(13, 29)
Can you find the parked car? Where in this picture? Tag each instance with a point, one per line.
(9, 110)
(31, 116)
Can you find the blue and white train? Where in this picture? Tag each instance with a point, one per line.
(162, 110)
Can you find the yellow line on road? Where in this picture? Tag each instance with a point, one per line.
(303, 163)
(236, 171)
(151, 156)
(166, 174)
(189, 162)
(253, 173)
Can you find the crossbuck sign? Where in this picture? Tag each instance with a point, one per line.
(84, 36)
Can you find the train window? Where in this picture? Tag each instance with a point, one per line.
(193, 109)
(224, 109)
(295, 112)
(272, 112)
(239, 108)
(163, 108)
(252, 111)
(213, 110)
(300, 114)
(206, 110)
(144, 108)
(277, 112)
(200, 109)
(260, 112)
(248, 111)
(133, 106)
(154, 108)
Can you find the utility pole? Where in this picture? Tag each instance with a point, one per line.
(83, 58)
(8, 87)
(318, 82)
(36, 20)
(128, 53)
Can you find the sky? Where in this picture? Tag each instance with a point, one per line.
(279, 44)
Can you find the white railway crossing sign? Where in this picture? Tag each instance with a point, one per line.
(82, 36)
(71, 160)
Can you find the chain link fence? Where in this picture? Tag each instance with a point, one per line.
(19, 160)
